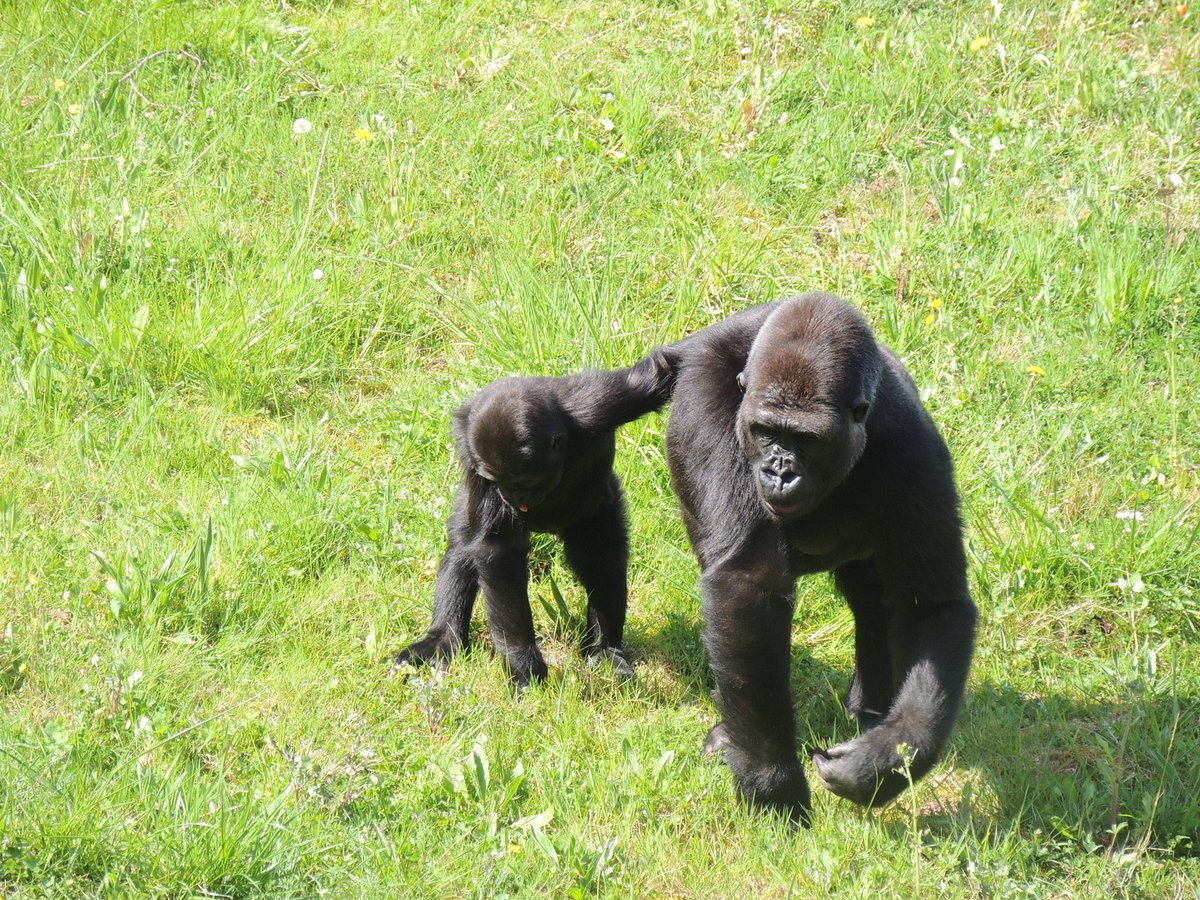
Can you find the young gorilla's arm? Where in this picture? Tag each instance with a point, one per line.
(606, 399)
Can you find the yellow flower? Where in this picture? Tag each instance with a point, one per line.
(59, 85)
(73, 109)
(979, 43)
(865, 21)
(930, 319)
(1035, 370)
(363, 135)
(935, 303)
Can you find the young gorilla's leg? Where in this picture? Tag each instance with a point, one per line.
(597, 550)
(504, 574)
(871, 691)
(453, 598)
(748, 631)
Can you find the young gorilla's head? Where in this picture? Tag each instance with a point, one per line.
(515, 437)
(809, 383)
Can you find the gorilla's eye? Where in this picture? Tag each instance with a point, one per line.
(763, 436)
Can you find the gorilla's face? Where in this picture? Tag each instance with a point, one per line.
(527, 474)
(797, 456)
(517, 441)
(802, 421)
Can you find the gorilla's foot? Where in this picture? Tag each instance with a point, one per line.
(434, 650)
(615, 656)
(717, 740)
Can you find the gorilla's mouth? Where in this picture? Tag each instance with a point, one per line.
(787, 510)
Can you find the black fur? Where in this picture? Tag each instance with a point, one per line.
(798, 444)
(537, 456)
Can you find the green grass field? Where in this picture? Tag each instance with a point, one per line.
(253, 254)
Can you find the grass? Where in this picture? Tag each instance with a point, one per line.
(230, 345)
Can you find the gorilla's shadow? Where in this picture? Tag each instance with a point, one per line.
(1052, 762)
(1045, 762)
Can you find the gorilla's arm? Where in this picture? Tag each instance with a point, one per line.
(936, 642)
(453, 594)
(751, 666)
(604, 400)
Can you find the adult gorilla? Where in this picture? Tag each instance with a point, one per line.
(798, 444)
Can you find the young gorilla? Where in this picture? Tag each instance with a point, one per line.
(537, 455)
(797, 444)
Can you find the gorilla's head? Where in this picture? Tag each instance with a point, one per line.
(515, 438)
(809, 383)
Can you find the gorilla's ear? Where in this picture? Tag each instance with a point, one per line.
(460, 426)
(741, 381)
(859, 410)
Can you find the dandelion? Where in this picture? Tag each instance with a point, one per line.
(935, 303)
(363, 135)
(865, 22)
(1035, 370)
(59, 85)
(318, 274)
(301, 126)
(979, 43)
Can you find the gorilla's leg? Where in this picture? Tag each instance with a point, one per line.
(931, 646)
(453, 597)
(504, 574)
(597, 550)
(748, 630)
(871, 691)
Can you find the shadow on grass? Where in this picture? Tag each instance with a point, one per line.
(1077, 770)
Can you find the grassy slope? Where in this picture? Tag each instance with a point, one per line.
(228, 353)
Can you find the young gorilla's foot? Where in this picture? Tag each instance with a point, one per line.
(526, 666)
(615, 656)
(433, 650)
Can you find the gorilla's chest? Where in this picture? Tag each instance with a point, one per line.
(819, 546)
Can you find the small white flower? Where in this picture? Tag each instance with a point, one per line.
(1130, 514)
(1176, 181)
(318, 274)
(376, 119)
(301, 126)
